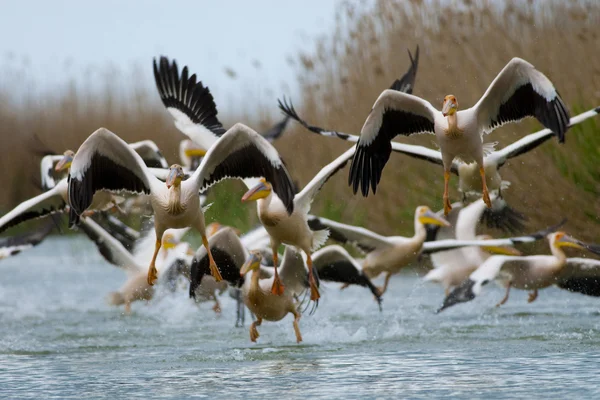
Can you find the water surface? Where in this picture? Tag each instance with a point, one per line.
(59, 338)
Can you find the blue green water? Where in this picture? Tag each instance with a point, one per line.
(60, 339)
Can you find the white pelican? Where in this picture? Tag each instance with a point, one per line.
(292, 229)
(136, 287)
(469, 181)
(13, 245)
(389, 254)
(105, 162)
(235, 262)
(517, 92)
(533, 272)
(384, 254)
(452, 267)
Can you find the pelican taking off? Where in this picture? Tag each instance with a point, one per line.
(533, 272)
(104, 161)
(293, 229)
(517, 92)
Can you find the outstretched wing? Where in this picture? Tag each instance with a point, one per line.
(521, 91)
(394, 113)
(105, 162)
(50, 202)
(357, 236)
(243, 153)
(304, 199)
(533, 140)
(190, 103)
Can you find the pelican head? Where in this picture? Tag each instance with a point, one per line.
(426, 216)
(260, 191)
(175, 176)
(561, 239)
(65, 162)
(505, 250)
(450, 105)
(252, 263)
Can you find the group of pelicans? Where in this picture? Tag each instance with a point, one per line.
(107, 176)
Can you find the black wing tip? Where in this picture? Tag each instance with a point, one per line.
(505, 218)
(461, 294)
(597, 110)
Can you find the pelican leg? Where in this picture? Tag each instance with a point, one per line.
(314, 290)
(532, 296)
(447, 206)
(217, 307)
(385, 284)
(128, 308)
(214, 271)
(296, 326)
(505, 298)
(277, 288)
(239, 321)
(253, 331)
(484, 190)
(152, 272)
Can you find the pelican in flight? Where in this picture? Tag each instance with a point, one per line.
(534, 272)
(384, 254)
(236, 263)
(292, 229)
(469, 181)
(136, 288)
(517, 92)
(105, 162)
(389, 254)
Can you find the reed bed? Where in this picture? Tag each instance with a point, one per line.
(464, 44)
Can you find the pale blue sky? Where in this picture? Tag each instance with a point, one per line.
(54, 41)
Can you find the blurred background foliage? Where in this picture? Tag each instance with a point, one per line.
(463, 44)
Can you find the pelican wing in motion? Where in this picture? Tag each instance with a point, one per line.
(243, 153)
(335, 264)
(14, 245)
(521, 91)
(406, 83)
(50, 202)
(189, 102)
(105, 162)
(533, 140)
(304, 199)
(362, 238)
(394, 113)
